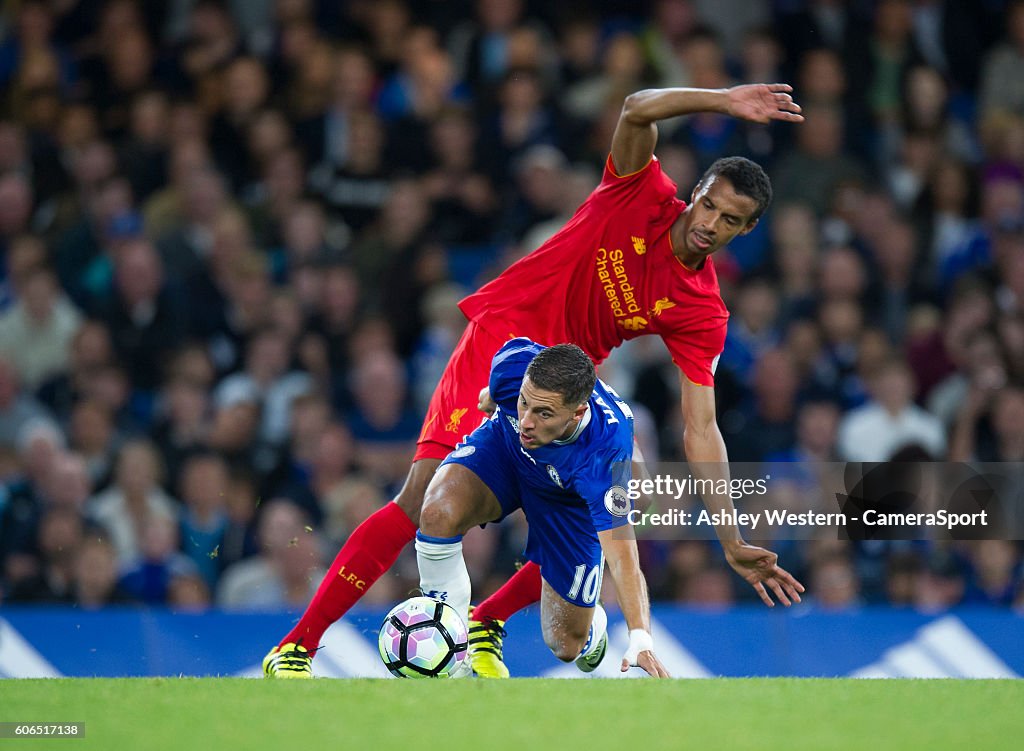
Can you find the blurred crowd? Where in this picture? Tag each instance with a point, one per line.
(233, 233)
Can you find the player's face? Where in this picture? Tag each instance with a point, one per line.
(543, 417)
(717, 214)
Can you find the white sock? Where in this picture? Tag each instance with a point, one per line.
(443, 573)
(598, 627)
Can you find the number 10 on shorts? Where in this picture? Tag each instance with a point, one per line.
(591, 586)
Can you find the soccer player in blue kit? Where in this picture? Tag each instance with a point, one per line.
(559, 446)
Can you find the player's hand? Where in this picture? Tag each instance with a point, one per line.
(764, 102)
(648, 661)
(759, 567)
(485, 403)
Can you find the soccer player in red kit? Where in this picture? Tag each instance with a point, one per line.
(633, 260)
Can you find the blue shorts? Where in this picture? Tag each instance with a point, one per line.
(562, 539)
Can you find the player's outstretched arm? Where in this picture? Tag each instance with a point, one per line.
(708, 459)
(620, 551)
(636, 133)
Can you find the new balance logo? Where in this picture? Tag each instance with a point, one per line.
(636, 323)
(639, 245)
(660, 306)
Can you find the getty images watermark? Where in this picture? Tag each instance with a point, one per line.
(801, 500)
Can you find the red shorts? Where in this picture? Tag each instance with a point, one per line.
(453, 409)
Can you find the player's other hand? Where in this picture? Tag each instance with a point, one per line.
(764, 102)
(485, 403)
(648, 661)
(760, 569)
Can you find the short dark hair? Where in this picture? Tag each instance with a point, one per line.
(566, 370)
(747, 178)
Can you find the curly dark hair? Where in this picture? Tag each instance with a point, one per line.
(746, 177)
(563, 369)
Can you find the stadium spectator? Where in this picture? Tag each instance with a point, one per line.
(285, 573)
(834, 583)
(709, 588)
(817, 427)
(383, 427)
(325, 136)
(939, 584)
(766, 425)
(980, 367)
(204, 519)
(145, 318)
(63, 486)
(185, 245)
(835, 370)
(540, 175)
(1002, 437)
(624, 71)
(124, 509)
(188, 593)
(61, 534)
(95, 576)
(355, 187)
(1000, 85)
(817, 166)
(24, 254)
(36, 332)
(794, 260)
(754, 329)
(995, 574)
(160, 561)
(17, 406)
(874, 432)
(842, 275)
(16, 202)
(144, 153)
(898, 290)
(242, 502)
(269, 380)
(232, 303)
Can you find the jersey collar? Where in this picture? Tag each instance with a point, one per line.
(583, 423)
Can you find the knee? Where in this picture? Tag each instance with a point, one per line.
(565, 647)
(439, 517)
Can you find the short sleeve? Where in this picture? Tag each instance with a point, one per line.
(696, 353)
(604, 485)
(508, 369)
(648, 185)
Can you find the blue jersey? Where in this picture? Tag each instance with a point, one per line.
(569, 490)
(591, 468)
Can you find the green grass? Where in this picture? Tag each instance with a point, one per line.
(629, 715)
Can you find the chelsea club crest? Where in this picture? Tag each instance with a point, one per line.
(553, 474)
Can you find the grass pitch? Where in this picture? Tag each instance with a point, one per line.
(211, 714)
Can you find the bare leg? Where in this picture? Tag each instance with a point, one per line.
(410, 497)
(565, 626)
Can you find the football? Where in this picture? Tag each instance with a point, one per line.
(423, 638)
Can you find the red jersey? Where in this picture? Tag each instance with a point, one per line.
(610, 275)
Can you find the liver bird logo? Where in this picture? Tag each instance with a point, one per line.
(455, 419)
(660, 306)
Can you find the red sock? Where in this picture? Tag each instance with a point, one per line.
(521, 590)
(370, 550)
